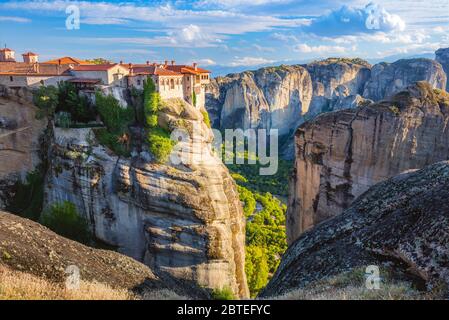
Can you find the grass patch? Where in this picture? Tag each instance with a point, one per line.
(223, 294)
(15, 285)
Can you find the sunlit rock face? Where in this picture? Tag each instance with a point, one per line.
(339, 155)
(400, 225)
(390, 78)
(185, 220)
(336, 82)
(269, 98)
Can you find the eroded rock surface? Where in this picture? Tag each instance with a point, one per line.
(334, 80)
(339, 155)
(29, 247)
(20, 144)
(185, 220)
(388, 79)
(401, 224)
(269, 98)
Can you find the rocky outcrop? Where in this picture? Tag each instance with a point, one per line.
(442, 56)
(29, 247)
(390, 78)
(269, 98)
(20, 134)
(185, 220)
(339, 155)
(334, 81)
(400, 225)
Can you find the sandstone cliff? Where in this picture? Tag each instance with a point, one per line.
(390, 78)
(27, 246)
(335, 82)
(20, 135)
(269, 98)
(341, 154)
(400, 225)
(442, 56)
(184, 220)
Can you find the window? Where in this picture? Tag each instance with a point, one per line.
(138, 82)
(42, 82)
(172, 84)
(11, 78)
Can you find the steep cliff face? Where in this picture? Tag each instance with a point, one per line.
(400, 226)
(442, 56)
(334, 80)
(185, 220)
(341, 154)
(390, 78)
(270, 98)
(20, 134)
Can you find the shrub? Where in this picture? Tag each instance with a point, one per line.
(46, 99)
(63, 219)
(116, 119)
(63, 119)
(206, 118)
(160, 144)
(224, 293)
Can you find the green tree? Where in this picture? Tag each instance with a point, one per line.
(256, 268)
(64, 219)
(159, 142)
(151, 103)
(46, 99)
(116, 136)
(194, 98)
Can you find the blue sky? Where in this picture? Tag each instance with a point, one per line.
(227, 34)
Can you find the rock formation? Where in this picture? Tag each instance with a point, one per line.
(29, 247)
(442, 56)
(339, 155)
(269, 98)
(390, 78)
(400, 225)
(334, 80)
(20, 134)
(185, 220)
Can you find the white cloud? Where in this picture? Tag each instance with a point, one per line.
(14, 19)
(239, 3)
(305, 48)
(206, 62)
(249, 61)
(349, 20)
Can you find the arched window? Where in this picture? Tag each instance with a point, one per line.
(172, 84)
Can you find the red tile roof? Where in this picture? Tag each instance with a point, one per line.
(186, 69)
(67, 60)
(94, 67)
(29, 54)
(153, 70)
(6, 50)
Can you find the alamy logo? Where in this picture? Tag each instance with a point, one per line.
(374, 17)
(372, 274)
(72, 281)
(73, 20)
(237, 146)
